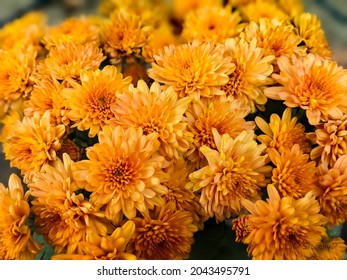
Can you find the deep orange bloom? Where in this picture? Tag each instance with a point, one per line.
(294, 174)
(168, 235)
(282, 227)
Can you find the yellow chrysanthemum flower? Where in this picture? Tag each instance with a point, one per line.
(180, 8)
(236, 170)
(317, 85)
(7, 122)
(109, 247)
(47, 95)
(283, 133)
(152, 12)
(62, 216)
(89, 104)
(274, 37)
(331, 138)
(16, 69)
(78, 30)
(24, 32)
(224, 115)
(294, 175)
(282, 227)
(262, 9)
(123, 172)
(168, 235)
(66, 60)
(332, 191)
(194, 69)
(155, 111)
(330, 249)
(251, 74)
(291, 7)
(309, 29)
(124, 34)
(212, 24)
(16, 241)
(33, 142)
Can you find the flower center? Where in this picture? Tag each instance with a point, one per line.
(153, 125)
(235, 84)
(100, 105)
(119, 174)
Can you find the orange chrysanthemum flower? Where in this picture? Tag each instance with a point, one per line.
(293, 175)
(331, 138)
(24, 32)
(89, 103)
(16, 69)
(66, 60)
(183, 199)
(235, 170)
(124, 34)
(109, 247)
(33, 142)
(155, 111)
(78, 30)
(47, 95)
(283, 133)
(274, 37)
(16, 241)
(330, 249)
(315, 84)
(226, 116)
(123, 172)
(168, 235)
(251, 73)
(282, 227)
(194, 69)
(62, 216)
(332, 191)
(212, 24)
(309, 29)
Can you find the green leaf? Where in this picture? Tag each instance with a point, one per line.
(335, 231)
(47, 252)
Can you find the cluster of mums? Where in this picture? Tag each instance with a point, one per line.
(133, 127)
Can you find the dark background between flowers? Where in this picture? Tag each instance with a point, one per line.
(333, 16)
